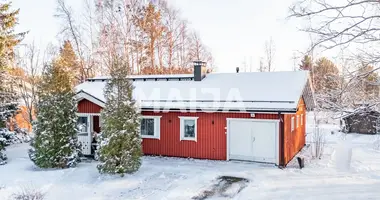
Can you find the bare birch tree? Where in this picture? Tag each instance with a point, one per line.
(269, 55)
(350, 24)
(31, 66)
(72, 30)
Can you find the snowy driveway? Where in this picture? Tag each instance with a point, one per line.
(172, 178)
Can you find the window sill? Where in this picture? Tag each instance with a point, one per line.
(150, 137)
(189, 139)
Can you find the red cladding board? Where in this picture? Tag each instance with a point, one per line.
(211, 135)
(86, 106)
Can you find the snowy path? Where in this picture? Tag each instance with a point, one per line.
(172, 178)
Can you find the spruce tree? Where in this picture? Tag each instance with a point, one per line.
(120, 145)
(8, 40)
(55, 144)
(68, 60)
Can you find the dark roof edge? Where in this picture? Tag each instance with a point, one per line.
(82, 91)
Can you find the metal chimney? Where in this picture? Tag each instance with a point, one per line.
(199, 70)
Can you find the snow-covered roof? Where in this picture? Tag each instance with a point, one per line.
(266, 91)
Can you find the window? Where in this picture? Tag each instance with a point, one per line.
(292, 124)
(188, 127)
(82, 125)
(298, 121)
(101, 121)
(150, 127)
(301, 119)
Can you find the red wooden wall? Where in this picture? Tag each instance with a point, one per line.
(211, 135)
(294, 140)
(211, 139)
(86, 106)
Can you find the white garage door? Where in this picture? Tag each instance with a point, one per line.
(253, 140)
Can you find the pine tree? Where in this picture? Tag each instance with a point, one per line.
(120, 146)
(69, 62)
(368, 86)
(8, 40)
(306, 63)
(55, 144)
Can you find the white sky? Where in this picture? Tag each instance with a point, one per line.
(234, 30)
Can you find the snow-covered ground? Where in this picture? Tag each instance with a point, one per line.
(174, 178)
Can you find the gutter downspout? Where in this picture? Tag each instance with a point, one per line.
(282, 149)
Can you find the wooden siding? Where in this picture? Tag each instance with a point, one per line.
(86, 106)
(294, 140)
(96, 124)
(211, 135)
(211, 139)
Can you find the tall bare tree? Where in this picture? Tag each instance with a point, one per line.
(269, 55)
(72, 30)
(154, 37)
(345, 24)
(28, 80)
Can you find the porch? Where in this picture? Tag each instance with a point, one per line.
(88, 127)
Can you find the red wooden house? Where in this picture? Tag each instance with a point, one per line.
(232, 116)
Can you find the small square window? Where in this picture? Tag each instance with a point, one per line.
(150, 127)
(147, 127)
(188, 127)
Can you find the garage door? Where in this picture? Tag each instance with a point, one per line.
(253, 140)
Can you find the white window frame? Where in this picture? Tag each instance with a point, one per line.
(292, 124)
(182, 127)
(87, 125)
(157, 128)
(301, 119)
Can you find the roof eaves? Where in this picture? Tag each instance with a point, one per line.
(91, 96)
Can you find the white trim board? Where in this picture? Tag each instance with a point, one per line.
(87, 114)
(83, 95)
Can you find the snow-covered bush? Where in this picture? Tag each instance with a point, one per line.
(55, 144)
(318, 141)
(120, 146)
(3, 156)
(98, 138)
(28, 193)
(4, 141)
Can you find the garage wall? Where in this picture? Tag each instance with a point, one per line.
(211, 139)
(294, 140)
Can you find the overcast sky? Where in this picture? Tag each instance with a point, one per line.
(234, 30)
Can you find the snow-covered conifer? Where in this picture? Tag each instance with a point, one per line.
(120, 146)
(55, 144)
